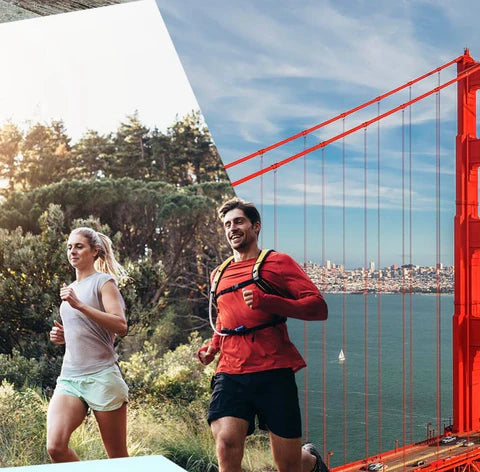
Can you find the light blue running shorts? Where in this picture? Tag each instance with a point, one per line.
(103, 391)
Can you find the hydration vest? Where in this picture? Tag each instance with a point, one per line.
(261, 283)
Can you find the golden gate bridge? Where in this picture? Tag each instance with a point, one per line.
(434, 452)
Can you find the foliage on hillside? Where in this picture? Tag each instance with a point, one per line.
(155, 194)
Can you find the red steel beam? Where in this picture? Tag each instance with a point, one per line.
(306, 151)
(342, 115)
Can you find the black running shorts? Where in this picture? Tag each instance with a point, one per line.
(270, 395)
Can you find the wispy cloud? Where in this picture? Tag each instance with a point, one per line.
(263, 71)
(262, 68)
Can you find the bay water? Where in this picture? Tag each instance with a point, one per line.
(408, 395)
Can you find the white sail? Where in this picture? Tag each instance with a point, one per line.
(341, 356)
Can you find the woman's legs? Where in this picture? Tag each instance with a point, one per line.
(65, 414)
(113, 428)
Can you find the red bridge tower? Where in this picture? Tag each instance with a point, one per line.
(466, 319)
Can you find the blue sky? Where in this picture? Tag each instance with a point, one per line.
(264, 70)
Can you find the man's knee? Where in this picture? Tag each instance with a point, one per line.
(230, 441)
(227, 444)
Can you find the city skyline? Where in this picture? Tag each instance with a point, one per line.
(410, 278)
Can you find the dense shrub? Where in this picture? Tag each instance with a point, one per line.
(176, 376)
(23, 372)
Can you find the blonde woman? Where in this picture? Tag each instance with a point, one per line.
(92, 312)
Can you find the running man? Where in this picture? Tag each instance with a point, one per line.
(255, 372)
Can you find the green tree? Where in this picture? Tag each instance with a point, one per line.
(132, 150)
(92, 156)
(32, 268)
(186, 155)
(10, 139)
(135, 208)
(193, 148)
(46, 155)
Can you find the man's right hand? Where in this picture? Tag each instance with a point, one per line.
(207, 355)
(57, 335)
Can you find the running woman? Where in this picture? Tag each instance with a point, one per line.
(92, 312)
(255, 371)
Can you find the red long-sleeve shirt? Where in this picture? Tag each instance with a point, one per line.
(268, 348)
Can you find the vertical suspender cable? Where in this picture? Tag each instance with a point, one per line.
(344, 303)
(379, 290)
(365, 294)
(324, 334)
(438, 248)
(304, 204)
(261, 197)
(404, 430)
(275, 219)
(410, 341)
(305, 326)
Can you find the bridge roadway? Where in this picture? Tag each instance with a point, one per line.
(436, 456)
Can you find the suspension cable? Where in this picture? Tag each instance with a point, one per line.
(365, 275)
(379, 290)
(410, 341)
(305, 323)
(275, 216)
(438, 248)
(274, 166)
(342, 115)
(404, 373)
(324, 331)
(261, 197)
(344, 301)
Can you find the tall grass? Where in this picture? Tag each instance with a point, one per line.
(22, 427)
(178, 432)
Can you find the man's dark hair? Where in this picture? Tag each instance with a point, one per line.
(248, 208)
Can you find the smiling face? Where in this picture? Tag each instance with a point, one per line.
(241, 234)
(79, 252)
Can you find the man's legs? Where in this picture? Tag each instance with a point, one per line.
(289, 455)
(229, 434)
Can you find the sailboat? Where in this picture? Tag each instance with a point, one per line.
(341, 356)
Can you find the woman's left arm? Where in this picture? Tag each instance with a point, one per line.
(113, 318)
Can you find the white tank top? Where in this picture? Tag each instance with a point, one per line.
(88, 346)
